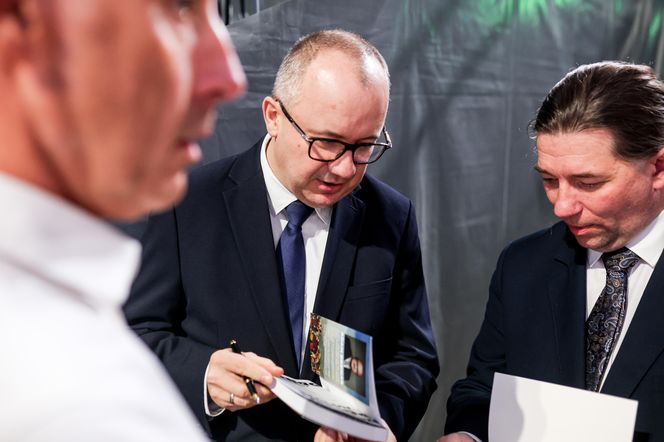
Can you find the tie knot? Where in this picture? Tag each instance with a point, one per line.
(297, 212)
(620, 260)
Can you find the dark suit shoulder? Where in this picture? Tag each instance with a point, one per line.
(210, 179)
(527, 262)
(381, 198)
(516, 325)
(239, 167)
(544, 243)
(215, 169)
(378, 189)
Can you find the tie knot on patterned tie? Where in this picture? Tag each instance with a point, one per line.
(620, 260)
(297, 212)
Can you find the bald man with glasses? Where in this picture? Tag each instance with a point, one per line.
(293, 225)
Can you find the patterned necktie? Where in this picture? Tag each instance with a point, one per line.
(606, 319)
(291, 257)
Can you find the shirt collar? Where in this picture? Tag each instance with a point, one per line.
(648, 244)
(279, 197)
(57, 241)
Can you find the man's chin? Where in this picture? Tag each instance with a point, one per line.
(169, 196)
(141, 203)
(596, 242)
(322, 200)
(200, 123)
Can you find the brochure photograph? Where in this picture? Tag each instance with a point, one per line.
(346, 399)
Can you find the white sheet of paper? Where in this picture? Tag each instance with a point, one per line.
(525, 410)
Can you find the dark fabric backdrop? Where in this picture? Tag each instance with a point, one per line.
(467, 76)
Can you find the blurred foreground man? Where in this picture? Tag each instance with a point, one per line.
(581, 303)
(101, 101)
(216, 268)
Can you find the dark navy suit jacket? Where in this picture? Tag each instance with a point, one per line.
(209, 275)
(534, 327)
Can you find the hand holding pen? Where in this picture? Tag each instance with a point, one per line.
(237, 380)
(250, 383)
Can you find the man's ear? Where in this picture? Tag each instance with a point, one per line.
(36, 72)
(658, 174)
(29, 42)
(270, 114)
(12, 35)
(24, 46)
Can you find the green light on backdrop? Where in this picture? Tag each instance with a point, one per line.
(491, 13)
(642, 26)
(653, 29)
(617, 6)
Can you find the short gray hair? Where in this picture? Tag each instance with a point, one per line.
(288, 83)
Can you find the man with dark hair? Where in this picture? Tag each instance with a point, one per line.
(580, 303)
(100, 104)
(291, 226)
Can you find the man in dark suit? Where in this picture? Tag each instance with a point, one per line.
(581, 303)
(217, 267)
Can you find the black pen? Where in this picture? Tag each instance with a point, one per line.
(250, 384)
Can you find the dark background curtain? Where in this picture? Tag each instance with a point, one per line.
(467, 77)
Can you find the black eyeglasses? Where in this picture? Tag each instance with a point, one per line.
(329, 149)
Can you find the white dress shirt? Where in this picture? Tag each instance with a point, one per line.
(71, 369)
(648, 246)
(314, 233)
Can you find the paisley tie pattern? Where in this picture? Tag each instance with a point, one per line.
(605, 322)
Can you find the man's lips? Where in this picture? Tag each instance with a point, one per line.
(580, 230)
(328, 187)
(190, 150)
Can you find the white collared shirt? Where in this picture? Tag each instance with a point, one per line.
(314, 233)
(648, 245)
(71, 368)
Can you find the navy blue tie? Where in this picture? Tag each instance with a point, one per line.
(290, 254)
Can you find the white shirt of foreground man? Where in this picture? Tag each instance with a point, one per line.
(66, 347)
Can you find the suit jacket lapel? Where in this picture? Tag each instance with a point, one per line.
(567, 297)
(644, 340)
(246, 205)
(338, 263)
(339, 256)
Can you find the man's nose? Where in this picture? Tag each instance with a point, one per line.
(218, 71)
(566, 203)
(344, 166)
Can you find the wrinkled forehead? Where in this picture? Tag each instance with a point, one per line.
(106, 17)
(582, 139)
(352, 68)
(338, 75)
(587, 152)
